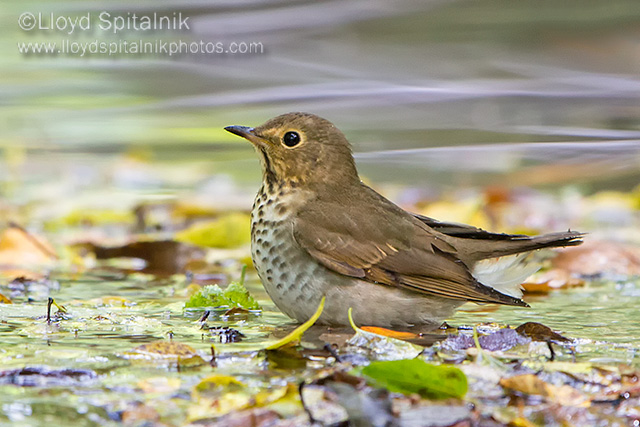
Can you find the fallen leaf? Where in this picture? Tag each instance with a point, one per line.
(42, 376)
(162, 257)
(409, 376)
(532, 384)
(596, 258)
(296, 334)
(19, 248)
(527, 384)
(540, 332)
(390, 333)
(90, 218)
(218, 395)
(183, 354)
(382, 347)
(550, 280)
(216, 385)
(234, 295)
(254, 417)
(163, 385)
(228, 231)
(139, 414)
(108, 301)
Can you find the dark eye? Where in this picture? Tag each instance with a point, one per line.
(291, 139)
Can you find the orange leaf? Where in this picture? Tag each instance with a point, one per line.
(390, 333)
(19, 248)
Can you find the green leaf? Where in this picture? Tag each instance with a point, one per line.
(238, 296)
(417, 376)
(235, 295)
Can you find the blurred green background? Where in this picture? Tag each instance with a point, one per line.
(478, 90)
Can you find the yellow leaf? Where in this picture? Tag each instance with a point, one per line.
(215, 382)
(159, 385)
(166, 348)
(228, 231)
(296, 334)
(109, 301)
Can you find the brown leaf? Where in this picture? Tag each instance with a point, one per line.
(550, 280)
(531, 384)
(139, 414)
(167, 348)
(539, 332)
(21, 248)
(595, 258)
(163, 257)
(256, 417)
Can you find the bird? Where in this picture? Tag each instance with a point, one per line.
(318, 231)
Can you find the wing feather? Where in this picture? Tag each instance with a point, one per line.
(399, 250)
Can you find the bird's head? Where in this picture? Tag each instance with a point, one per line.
(301, 148)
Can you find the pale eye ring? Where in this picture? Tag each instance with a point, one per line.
(291, 139)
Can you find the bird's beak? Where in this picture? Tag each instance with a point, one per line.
(247, 133)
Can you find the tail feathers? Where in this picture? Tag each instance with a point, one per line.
(479, 249)
(505, 274)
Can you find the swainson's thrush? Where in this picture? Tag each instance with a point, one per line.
(317, 230)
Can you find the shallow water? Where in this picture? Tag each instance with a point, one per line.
(599, 317)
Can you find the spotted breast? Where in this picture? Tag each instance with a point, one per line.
(285, 269)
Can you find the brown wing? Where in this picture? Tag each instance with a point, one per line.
(477, 244)
(395, 249)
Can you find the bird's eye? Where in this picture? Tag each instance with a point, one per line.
(291, 139)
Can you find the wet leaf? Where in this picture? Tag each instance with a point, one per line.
(540, 332)
(234, 295)
(595, 258)
(91, 217)
(296, 334)
(228, 231)
(385, 348)
(161, 256)
(106, 301)
(159, 385)
(139, 414)
(254, 417)
(532, 384)
(19, 248)
(183, 354)
(550, 280)
(218, 395)
(417, 376)
(42, 376)
(363, 405)
(216, 385)
(286, 357)
(435, 414)
(400, 335)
